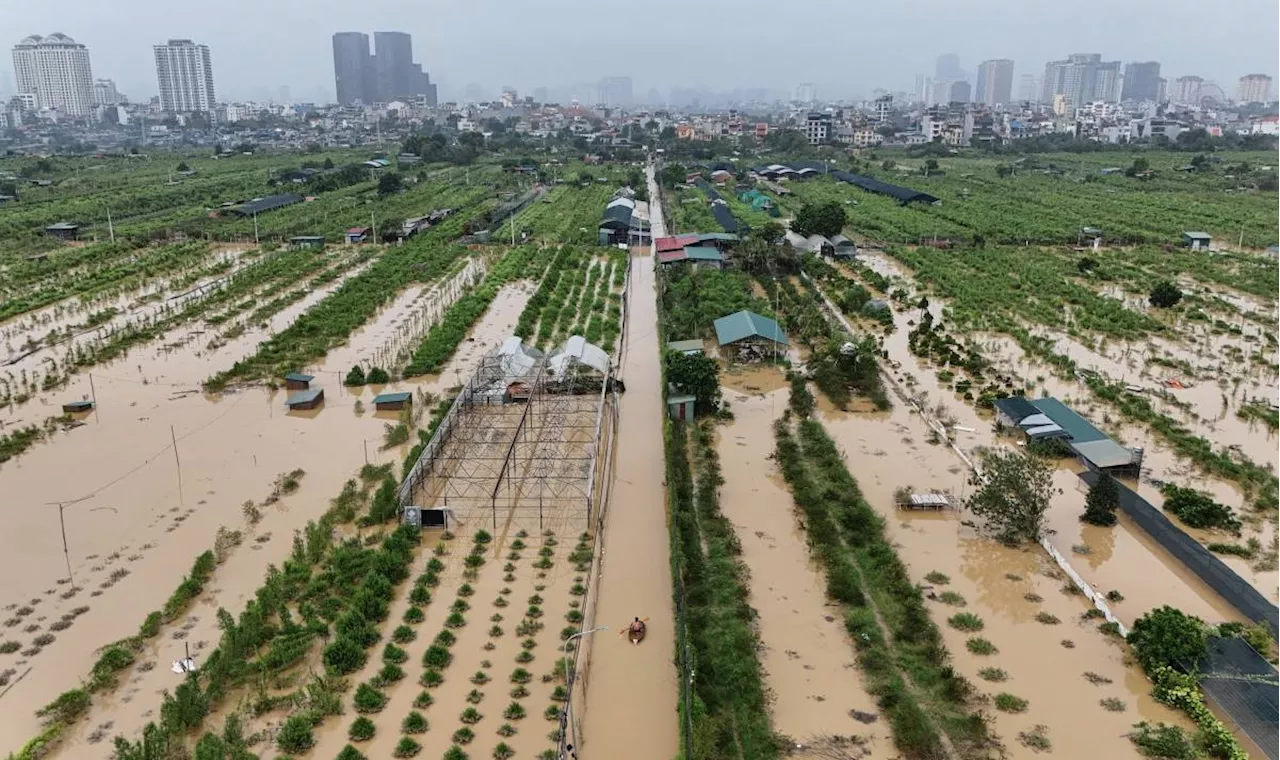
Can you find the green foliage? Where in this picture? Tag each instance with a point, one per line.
(414, 723)
(1012, 495)
(1102, 502)
(1165, 295)
(697, 375)
(355, 376)
(825, 219)
(1198, 510)
(1006, 702)
(351, 753)
(979, 645)
(1166, 637)
(965, 621)
(369, 699)
(406, 747)
(295, 735)
(1162, 740)
(362, 729)
(377, 376)
(344, 656)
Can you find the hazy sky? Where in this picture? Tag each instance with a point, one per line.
(845, 48)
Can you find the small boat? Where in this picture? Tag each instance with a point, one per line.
(637, 636)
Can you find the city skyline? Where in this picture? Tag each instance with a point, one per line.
(540, 47)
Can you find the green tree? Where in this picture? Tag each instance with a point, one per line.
(1139, 166)
(826, 219)
(328, 163)
(1012, 494)
(295, 735)
(211, 747)
(182, 167)
(344, 656)
(697, 375)
(355, 376)
(1103, 500)
(1168, 637)
(1086, 265)
(1165, 295)
(377, 376)
(931, 167)
(770, 233)
(672, 175)
(390, 184)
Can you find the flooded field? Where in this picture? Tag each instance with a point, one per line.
(806, 652)
(134, 527)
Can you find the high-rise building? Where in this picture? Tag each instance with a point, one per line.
(185, 74)
(805, 93)
(1082, 78)
(540, 95)
(393, 60)
(948, 68)
(1186, 89)
(959, 92)
(1028, 88)
(1141, 81)
(105, 93)
(995, 82)
(615, 91)
(353, 73)
(55, 71)
(1255, 88)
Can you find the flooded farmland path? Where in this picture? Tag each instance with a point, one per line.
(807, 655)
(631, 691)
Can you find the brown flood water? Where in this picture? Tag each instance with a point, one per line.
(807, 655)
(630, 709)
(136, 519)
(888, 450)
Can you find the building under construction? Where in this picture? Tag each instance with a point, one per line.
(523, 447)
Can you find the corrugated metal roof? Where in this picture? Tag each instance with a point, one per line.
(303, 397)
(686, 346)
(300, 377)
(1103, 453)
(1080, 429)
(1016, 408)
(703, 253)
(391, 398)
(1045, 431)
(1035, 420)
(747, 324)
(268, 203)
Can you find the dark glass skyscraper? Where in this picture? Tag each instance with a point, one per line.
(353, 74)
(393, 57)
(1141, 81)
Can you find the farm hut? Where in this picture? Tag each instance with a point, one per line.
(820, 245)
(392, 402)
(930, 501)
(1197, 241)
(844, 248)
(753, 335)
(75, 407)
(269, 203)
(300, 242)
(1050, 418)
(681, 406)
(701, 256)
(686, 347)
(303, 400)
(517, 392)
(357, 235)
(297, 381)
(64, 231)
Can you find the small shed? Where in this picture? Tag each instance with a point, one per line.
(681, 406)
(297, 381)
(65, 231)
(929, 501)
(843, 247)
(517, 391)
(303, 400)
(752, 334)
(357, 235)
(391, 402)
(307, 241)
(686, 347)
(75, 407)
(1197, 241)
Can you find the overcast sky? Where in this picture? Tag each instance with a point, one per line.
(844, 48)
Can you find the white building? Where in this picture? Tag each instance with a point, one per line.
(55, 70)
(105, 93)
(1255, 88)
(185, 75)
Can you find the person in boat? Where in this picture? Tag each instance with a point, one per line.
(636, 630)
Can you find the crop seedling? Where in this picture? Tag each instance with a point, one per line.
(1006, 702)
(965, 621)
(979, 645)
(514, 712)
(470, 716)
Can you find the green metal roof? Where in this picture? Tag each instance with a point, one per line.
(685, 346)
(300, 377)
(1080, 429)
(303, 397)
(726, 237)
(391, 398)
(747, 324)
(703, 253)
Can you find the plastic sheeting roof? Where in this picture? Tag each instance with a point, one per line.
(578, 350)
(904, 194)
(518, 360)
(1035, 420)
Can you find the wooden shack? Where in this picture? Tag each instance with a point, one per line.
(517, 391)
(76, 407)
(391, 402)
(64, 231)
(296, 381)
(304, 400)
(928, 501)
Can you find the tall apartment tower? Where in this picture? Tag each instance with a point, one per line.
(353, 72)
(1082, 78)
(1255, 88)
(1141, 81)
(54, 71)
(105, 93)
(185, 74)
(1186, 89)
(393, 61)
(995, 82)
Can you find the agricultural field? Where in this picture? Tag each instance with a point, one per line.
(182, 349)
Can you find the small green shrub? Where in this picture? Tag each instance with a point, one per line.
(423, 700)
(514, 712)
(455, 753)
(403, 634)
(1111, 704)
(937, 578)
(1006, 702)
(368, 699)
(414, 723)
(952, 598)
(979, 645)
(362, 730)
(521, 676)
(406, 747)
(993, 674)
(1047, 619)
(965, 621)
(414, 615)
(431, 678)
(470, 716)
(351, 753)
(503, 752)
(463, 735)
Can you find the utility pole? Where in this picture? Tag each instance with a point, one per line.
(177, 462)
(255, 228)
(374, 225)
(112, 230)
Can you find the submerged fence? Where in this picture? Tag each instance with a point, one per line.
(1244, 686)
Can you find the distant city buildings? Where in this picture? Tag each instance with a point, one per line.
(1186, 89)
(1080, 79)
(805, 93)
(105, 93)
(995, 82)
(1142, 82)
(184, 72)
(959, 92)
(614, 91)
(1254, 88)
(55, 72)
(1029, 88)
(386, 74)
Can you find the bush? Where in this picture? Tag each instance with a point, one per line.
(295, 735)
(1199, 510)
(503, 752)
(394, 655)
(355, 376)
(436, 656)
(403, 635)
(993, 674)
(431, 678)
(406, 747)
(463, 735)
(1006, 702)
(423, 700)
(470, 716)
(414, 615)
(1047, 619)
(514, 711)
(351, 753)
(965, 621)
(937, 578)
(1165, 295)
(344, 656)
(377, 376)
(979, 645)
(414, 723)
(952, 598)
(1164, 741)
(455, 753)
(1168, 637)
(368, 699)
(362, 729)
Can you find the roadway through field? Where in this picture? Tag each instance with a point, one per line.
(631, 692)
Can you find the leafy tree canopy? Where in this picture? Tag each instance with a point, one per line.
(698, 375)
(1168, 637)
(1165, 295)
(826, 219)
(1101, 504)
(1012, 495)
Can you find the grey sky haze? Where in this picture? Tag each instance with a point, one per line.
(844, 48)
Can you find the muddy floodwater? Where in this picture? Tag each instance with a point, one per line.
(137, 514)
(1051, 656)
(806, 653)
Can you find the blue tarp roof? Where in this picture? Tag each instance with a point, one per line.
(747, 324)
